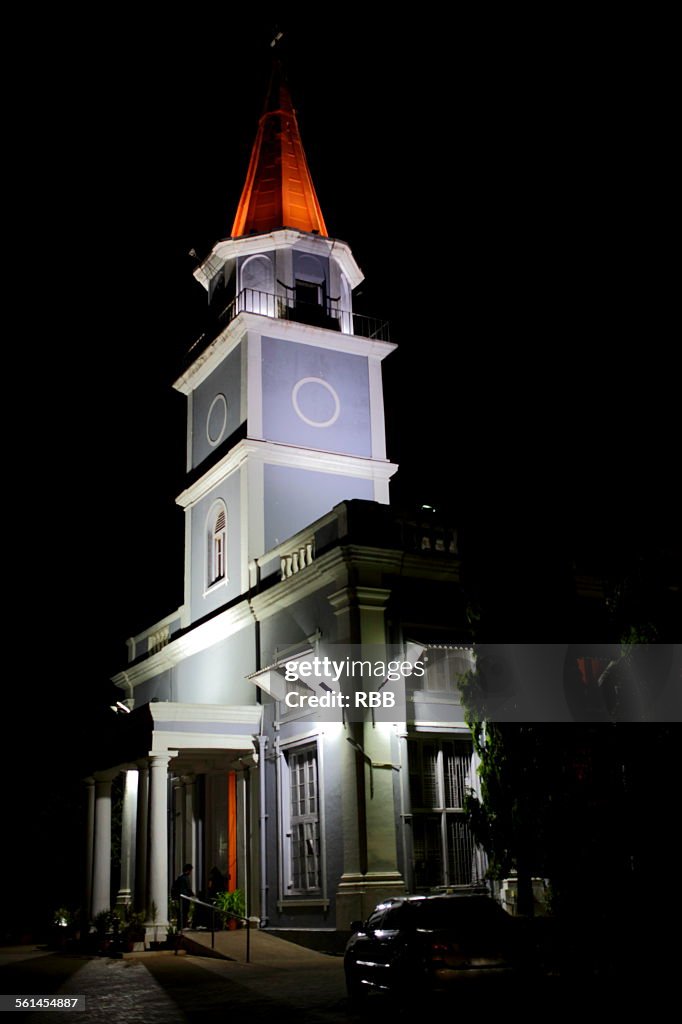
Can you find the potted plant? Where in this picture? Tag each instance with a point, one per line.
(233, 902)
(133, 931)
(106, 928)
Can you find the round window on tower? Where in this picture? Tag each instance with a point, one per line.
(216, 421)
(315, 402)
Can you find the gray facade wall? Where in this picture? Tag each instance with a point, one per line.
(295, 624)
(285, 365)
(296, 497)
(217, 675)
(157, 688)
(226, 380)
(201, 601)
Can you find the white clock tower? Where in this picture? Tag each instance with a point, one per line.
(285, 403)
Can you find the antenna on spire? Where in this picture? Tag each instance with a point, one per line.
(278, 36)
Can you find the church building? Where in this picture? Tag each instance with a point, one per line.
(316, 810)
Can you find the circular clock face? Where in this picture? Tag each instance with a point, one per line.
(216, 421)
(315, 402)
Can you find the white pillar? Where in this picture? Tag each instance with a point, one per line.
(128, 830)
(190, 851)
(157, 911)
(101, 882)
(141, 837)
(178, 811)
(89, 847)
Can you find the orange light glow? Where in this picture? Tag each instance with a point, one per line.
(231, 831)
(279, 191)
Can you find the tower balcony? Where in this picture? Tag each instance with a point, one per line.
(327, 314)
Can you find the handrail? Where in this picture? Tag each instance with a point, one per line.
(329, 314)
(216, 910)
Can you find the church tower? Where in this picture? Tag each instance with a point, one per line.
(285, 404)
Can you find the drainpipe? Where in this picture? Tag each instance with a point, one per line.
(263, 820)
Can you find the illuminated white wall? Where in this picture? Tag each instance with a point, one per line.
(218, 674)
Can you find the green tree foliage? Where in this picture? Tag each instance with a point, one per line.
(510, 819)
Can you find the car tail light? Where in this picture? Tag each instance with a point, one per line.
(442, 950)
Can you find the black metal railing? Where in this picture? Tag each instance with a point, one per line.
(327, 314)
(216, 910)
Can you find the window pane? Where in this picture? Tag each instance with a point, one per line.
(444, 668)
(468, 913)
(428, 859)
(430, 788)
(456, 764)
(414, 766)
(305, 834)
(440, 775)
(460, 851)
(396, 917)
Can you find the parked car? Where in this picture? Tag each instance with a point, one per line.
(417, 943)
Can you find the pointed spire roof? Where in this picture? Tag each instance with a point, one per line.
(279, 191)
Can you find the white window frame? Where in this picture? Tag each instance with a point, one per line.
(441, 674)
(215, 548)
(440, 807)
(289, 894)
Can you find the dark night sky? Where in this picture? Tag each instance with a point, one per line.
(490, 182)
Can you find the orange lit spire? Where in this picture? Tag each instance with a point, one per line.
(279, 191)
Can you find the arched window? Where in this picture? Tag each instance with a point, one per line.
(217, 545)
(257, 286)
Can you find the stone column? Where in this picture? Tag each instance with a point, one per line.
(89, 847)
(128, 832)
(141, 837)
(101, 881)
(157, 911)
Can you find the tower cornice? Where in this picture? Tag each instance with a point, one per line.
(286, 455)
(303, 334)
(231, 248)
